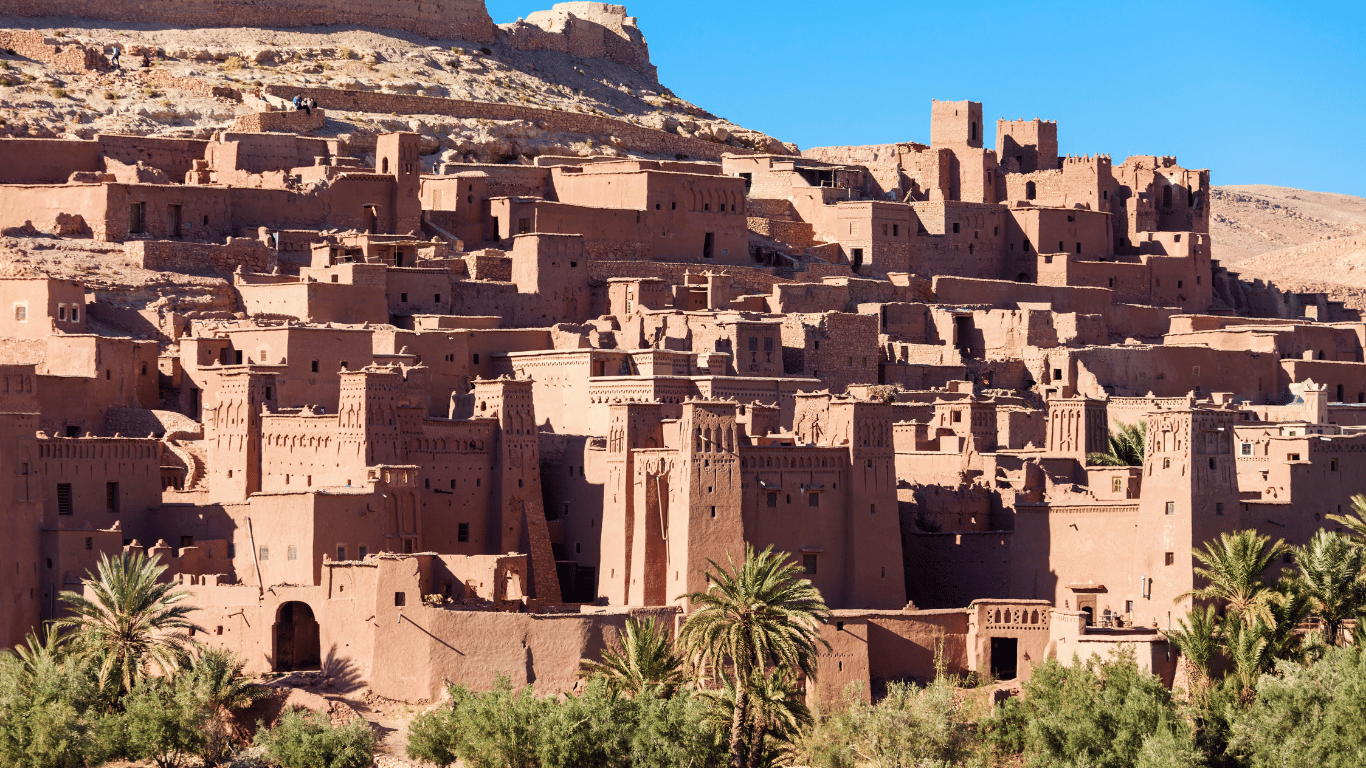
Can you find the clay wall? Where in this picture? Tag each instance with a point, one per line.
(293, 121)
(65, 56)
(21, 488)
(838, 348)
(35, 308)
(1165, 371)
(459, 19)
(107, 480)
(175, 256)
(80, 209)
(315, 302)
(635, 138)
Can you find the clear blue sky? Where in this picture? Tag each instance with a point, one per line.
(1258, 92)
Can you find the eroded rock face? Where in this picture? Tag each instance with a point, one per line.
(586, 30)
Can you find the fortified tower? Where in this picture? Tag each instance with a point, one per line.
(873, 565)
(1077, 426)
(1031, 144)
(399, 155)
(1190, 491)
(956, 124)
(20, 488)
(517, 508)
(706, 522)
(632, 536)
(232, 432)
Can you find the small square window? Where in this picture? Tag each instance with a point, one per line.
(292, 553)
(400, 599)
(1211, 462)
(1117, 484)
(813, 499)
(463, 532)
(809, 564)
(21, 313)
(1171, 558)
(264, 554)
(1218, 509)
(1245, 449)
(314, 366)
(772, 500)
(1166, 463)
(362, 551)
(1171, 507)
(341, 552)
(1333, 465)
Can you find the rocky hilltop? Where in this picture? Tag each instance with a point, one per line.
(179, 80)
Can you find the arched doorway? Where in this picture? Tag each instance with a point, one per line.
(296, 638)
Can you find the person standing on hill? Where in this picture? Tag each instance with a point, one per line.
(114, 59)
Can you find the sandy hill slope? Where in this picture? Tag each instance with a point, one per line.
(1249, 220)
(1335, 267)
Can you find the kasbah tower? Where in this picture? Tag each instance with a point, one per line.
(450, 419)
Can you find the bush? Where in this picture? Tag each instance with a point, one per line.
(234, 62)
(311, 741)
(1098, 713)
(164, 722)
(1303, 716)
(506, 727)
(49, 709)
(59, 93)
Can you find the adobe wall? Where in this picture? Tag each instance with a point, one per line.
(437, 19)
(635, 138)
(66, 56)
(294, 121)
(177, 256)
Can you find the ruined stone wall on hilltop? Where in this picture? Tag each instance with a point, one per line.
(439, 19)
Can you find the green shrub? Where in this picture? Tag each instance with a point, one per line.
(311, 741)
(1306, 715)
(49, 709)
(1100, 713)
(59, 93)
(516, 729)
(164, 721)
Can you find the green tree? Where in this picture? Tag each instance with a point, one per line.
(754, 616)
(1103, 713)
(1233, 567)
(1127, 445)
(642, 658)
(311, 741)
(132, 622)
(215, 680)
(49, 707)
(913, 725)
(1197, 640)
(1306, 715)
(165, 722)
(496, 729)
(1329, 572)
(1249, 647)
(778, 713)
(1356, 522)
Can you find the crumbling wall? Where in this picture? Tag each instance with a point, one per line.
(587, 30)
(66, 57)
(173, 256)
(633, 137)
(296, 121)
(437, 19)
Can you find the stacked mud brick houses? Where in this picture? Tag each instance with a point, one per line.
(464, 424)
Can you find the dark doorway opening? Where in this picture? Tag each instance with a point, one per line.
(297, 644)
(708, 245)
(174, 220)
(1004, 652)
(858, 259)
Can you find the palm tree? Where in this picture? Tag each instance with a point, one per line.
(754, 616)
(1127, 446)
(1329, 573)
(214, 678)
(778, 711)
(133, 621)
(1249, 648)
(1233, 567)
(642, 658)
(1356, 523)
(1198, 642)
